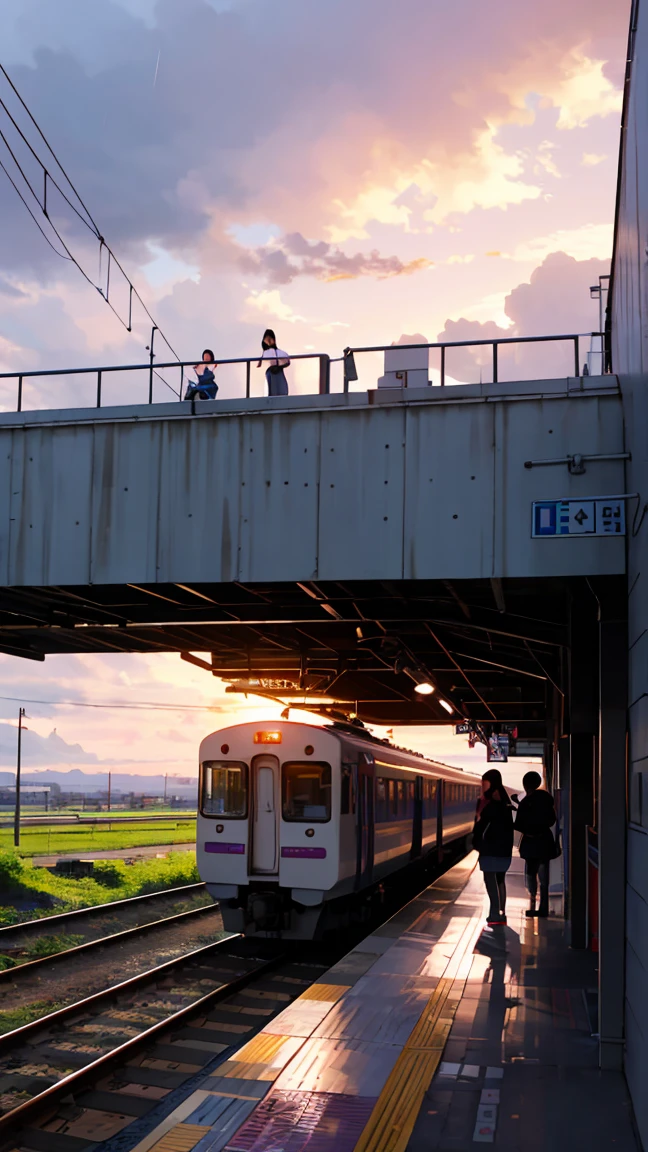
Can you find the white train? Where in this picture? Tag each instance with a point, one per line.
(295, 821)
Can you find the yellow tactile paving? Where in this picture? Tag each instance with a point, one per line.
(262, 1058)
(329, 992)
(392, 1121)
(182, 1138)
(423, 1032)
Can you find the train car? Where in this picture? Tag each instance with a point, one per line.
(298, 823)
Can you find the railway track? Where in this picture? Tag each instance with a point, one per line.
(29, 967)
(89, 1072)
(79, 916)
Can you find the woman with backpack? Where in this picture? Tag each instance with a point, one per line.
(493, 839)
(275, 361)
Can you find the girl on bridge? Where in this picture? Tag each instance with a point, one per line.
(275, 361)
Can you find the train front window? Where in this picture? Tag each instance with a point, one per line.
(223, 789)
(306, 791)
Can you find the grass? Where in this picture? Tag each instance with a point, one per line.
(61, 838)
(50, 945)
(11, 1018)
(29, 891)
(114, 814)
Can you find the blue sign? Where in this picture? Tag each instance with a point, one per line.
(578, 518)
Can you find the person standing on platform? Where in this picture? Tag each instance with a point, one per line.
(493, 839)
(536, 816)
(275, 361)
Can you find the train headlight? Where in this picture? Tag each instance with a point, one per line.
(267, 737)
(310, 832)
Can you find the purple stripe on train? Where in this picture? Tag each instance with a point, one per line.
(224, 848)
(304, 853)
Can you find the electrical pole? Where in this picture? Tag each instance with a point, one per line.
(165, 787)
(151, 359)
(109, 788)
(21, 714)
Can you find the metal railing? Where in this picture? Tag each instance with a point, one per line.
(351, 374)
(149, 372)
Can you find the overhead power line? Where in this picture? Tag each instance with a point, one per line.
(38, 201)
(136, 706)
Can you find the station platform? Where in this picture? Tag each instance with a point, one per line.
(436, 1033)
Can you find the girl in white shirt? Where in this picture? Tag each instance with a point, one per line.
(278, 360)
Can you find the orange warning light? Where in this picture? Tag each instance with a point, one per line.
(267, 737)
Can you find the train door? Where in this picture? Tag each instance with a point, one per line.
(265, 816)
(417, 827)
(365, 820)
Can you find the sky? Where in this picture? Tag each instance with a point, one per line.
(348, 173)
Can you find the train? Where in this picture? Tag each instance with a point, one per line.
(298, 825)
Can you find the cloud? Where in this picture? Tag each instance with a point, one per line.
(335, 140)
(584, 92)
(269, 303)
(282, 262)
(582, 242)
(11, 290)
(270, 306)
(591, 159)
(340, 178)
(555, 300)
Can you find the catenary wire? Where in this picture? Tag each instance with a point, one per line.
(48, 145)
(138, 706)
(92, 226)
(40, 229)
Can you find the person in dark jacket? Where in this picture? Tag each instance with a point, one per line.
(493, 839)
(535, 818)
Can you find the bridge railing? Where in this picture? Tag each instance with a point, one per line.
(146, 383)
(479, 361)
(443, 362)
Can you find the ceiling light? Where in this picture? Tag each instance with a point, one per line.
(422, 683)
(425, 688)
(448, 707)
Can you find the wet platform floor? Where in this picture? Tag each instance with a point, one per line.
(436, 1033)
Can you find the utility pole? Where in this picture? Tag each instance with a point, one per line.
(109, 788)
(165, 788)
(151, 359)
(21, 715)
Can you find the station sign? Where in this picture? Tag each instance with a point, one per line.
(462, 729)
(578, 518)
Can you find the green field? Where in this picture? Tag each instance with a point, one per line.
(114, 814)
(28, 891)
(73, 838)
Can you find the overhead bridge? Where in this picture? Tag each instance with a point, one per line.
(324, 542)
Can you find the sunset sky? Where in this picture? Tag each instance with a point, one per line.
(346, 172)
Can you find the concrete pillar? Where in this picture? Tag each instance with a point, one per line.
(612, 788)
(581, 771)
(582, 725)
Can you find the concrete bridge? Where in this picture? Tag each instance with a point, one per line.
(394, 484)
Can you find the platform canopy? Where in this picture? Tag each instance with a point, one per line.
(494, 652)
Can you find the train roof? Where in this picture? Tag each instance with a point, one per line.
(355, 735)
